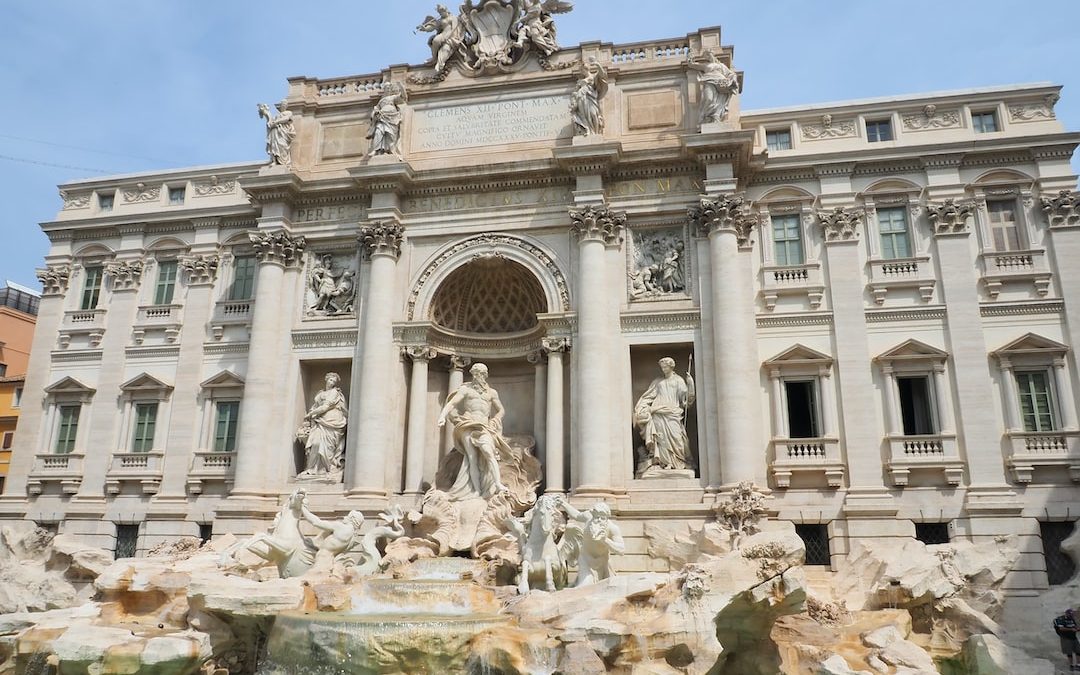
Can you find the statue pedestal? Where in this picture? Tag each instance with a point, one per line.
(591, 139)
(376, 160)
(275, 170)
(717, 127)
(654, 473)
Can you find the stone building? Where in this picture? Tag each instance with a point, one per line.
(876, 299)
(18, 314)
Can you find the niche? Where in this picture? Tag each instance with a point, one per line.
(666, 458)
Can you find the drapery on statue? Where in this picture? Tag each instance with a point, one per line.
(332, 287)
(718, 83)
(537, 26)
(386, 116)
(585, 101)
(323, 431)
(660, 416)
(476, 413)
(280, 132)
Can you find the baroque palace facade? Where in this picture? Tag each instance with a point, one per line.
(874, 298)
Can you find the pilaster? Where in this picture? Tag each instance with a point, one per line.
(1063, 216)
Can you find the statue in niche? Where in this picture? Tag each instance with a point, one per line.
(476, 413)
(386, 116)
(585, 101)
(599, 538)
(280, 132)
(718, 83)
(659, 267)
(323, 432)
(660, 416)
(333, 288)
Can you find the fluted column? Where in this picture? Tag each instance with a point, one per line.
(274, 251)
(417, 429)
(595, 227)
(365, 469)
(554, 469)
(727, 224)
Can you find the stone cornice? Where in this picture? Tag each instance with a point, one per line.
(725, 213)
(273, 187)
(588, 159)
(950, 216)
(383, 176)
(598, 223)
(278, 247)
(382, 238)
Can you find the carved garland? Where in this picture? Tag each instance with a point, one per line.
(727, 212)
(950, 217)
(490, 240)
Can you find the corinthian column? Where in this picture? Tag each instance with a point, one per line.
(598, 328)
(725, 220)
(365, 469)
(417, 432)
(553, 451)
(254, 473)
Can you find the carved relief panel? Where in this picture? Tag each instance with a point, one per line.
(330, 284)
(658, 264)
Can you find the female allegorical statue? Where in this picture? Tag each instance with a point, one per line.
(323, 431)
(280, 132)
(585, 101)
(386, 116)
(660, 416)
(718, 83)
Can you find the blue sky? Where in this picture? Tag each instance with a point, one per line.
(136, 85)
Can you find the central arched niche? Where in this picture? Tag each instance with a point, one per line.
(489, 295)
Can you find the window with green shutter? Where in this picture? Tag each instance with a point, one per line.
(787, 240)
(92, 287)
(67, 429)
(228, 413)
(1036, 400)
(145, 423)
(243, 285)
(166, 283)
(893, 228)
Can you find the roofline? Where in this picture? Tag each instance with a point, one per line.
(85, 183)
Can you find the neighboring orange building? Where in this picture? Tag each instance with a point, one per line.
(18, 315)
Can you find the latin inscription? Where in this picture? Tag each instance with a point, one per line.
(329, 214)
(496, 123)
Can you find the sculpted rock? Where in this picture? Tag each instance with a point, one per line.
(987, 655)
(836, 665)
(41, 572)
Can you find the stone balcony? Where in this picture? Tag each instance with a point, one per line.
(82, 322)
(64, 469)
(165, 319)
(230, 313)
(1020, 267)
(937, 452)
(1031, 449)
(887, 275)
(807, 455)
(144, 468)
(208, 467)
(805, 279)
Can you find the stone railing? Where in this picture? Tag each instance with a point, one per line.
(999, 268)
(649, 51)
(65, 469)
(144, 468)
(159, 313)
(819, 456)
(230, 313)
(932, 451)
(1034, 449)
(886, 275)
(347, 86)
(85, 318)
(167, 318)
(209, 466)
(805, 279)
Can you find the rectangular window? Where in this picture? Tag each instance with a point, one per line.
(243, 285)
(802, 408)
(1036, 400)
(932, 533)
(1059, 566)
(3, 369)
(206, 532)
(166, 283)
(127, 541)
(916, 405)
(105, 201)
(9, 438)
(878, 130)
(16, 398)
(145, 424)
(1003, 225)
(228, 414)
(787, 240)
(984, 122)
(67, 429)
(778, 139)
(816, 540)
(92, 287)
(176, 195)
(893, 228)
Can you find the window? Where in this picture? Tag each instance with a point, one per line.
(778, 139)
(1003, 226)
(127, 541)
(892, 226)
(1036, 400)
(802, 408)
(206, 532)
(916, 405)
(166, 283)
(787, 240)
(932, 533)
(878, 130)
(243, 285)
(1059, 566)
(984, 122)
(816, 540)
(3, 369)
(92, 287)
(68, 429)
(145, 423)
(176, 195)
(16, 398)
(9, 439)
(105, 201)
(228, 412)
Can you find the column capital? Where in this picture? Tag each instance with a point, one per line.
(54, 279)
(280, 247)
(417, 353)
(555, 344)
(382, 238)
(724, 213)
(126, 275)
(950, 217)
(598, 223)
(201, 269)
(1062, 210)
(840, 224)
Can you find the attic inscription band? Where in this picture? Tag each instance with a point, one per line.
(497, 122)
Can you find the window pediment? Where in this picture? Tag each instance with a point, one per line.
(912, 351)
(226, 379)
(799, 355)
(1031, 345)
(69, 385)
(146, 385)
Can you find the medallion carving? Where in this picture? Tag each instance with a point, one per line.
(72, 201)
(142, 193)
(1032, 112)
(828, 129)
(932, 119)
(214, 185)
